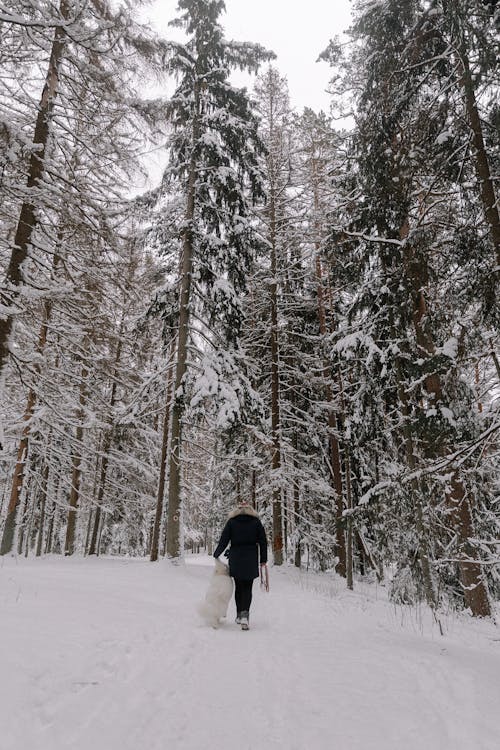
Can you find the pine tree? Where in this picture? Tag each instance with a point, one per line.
(63, 223)
(213, 159)
(398, 228)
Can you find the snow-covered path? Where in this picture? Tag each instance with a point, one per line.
(109, 654)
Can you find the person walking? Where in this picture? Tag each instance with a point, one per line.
(247, 537)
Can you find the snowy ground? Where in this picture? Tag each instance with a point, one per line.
(108, 654)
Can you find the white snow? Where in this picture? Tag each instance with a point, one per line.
(109, 654)
(443, 137)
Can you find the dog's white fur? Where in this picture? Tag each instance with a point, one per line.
(218, 596)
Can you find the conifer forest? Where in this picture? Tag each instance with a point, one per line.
(301, 313)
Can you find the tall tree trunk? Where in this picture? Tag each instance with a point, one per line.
(415, 492)
(483, 171)
(336, 465)
(28, 220)
(275, 395)
(254, 489)
(43, 501)
(17, 480)
(22, 451)
(50, 531)
(90, 522)
(106, 443)
(76, 472)
(23, 524)
(163, 466)
(474, 586)
(335, 460)
(297, 560)
(349, 541)
(174, 473)
(100, 493)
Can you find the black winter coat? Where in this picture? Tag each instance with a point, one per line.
(245, 532)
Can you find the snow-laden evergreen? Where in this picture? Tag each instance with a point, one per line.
(298, 316)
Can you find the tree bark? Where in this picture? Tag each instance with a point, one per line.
(336, 466)
(423, 545)
(474, 586)
(43, 503)
(76, 473)
(28, 220)
(106, 445)
(163, 467)
(483, 172)
(275, 395)
(17, 480)
(22, 451)
(349, 540)
(174, 483)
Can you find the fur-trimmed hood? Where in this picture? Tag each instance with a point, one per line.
(243, 510)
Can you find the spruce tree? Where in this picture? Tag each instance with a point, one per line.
(214, 152)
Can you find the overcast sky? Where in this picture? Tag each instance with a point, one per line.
(296, 30)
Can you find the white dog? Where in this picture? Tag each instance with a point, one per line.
(218, 596)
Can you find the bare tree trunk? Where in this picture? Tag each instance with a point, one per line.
(163, 466)
(174, 474)
(50, 531)
(43, 504)
(483, 171)
(297, 560)
(23, 524)
(275, 396)
(336, 466)
(349, 544)
(76, 474)
(27, 218)
(53, 516)
(90, 521)
(30, 510)
(93, 507)
(18, 479)
(22, 451)
(99, 536)
(423, 543)
(174, 484)
(474, 585)
(106, 444)
(97, 513)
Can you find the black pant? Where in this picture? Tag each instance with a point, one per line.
(242, 594)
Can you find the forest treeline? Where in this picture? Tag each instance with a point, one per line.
(300, 316)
